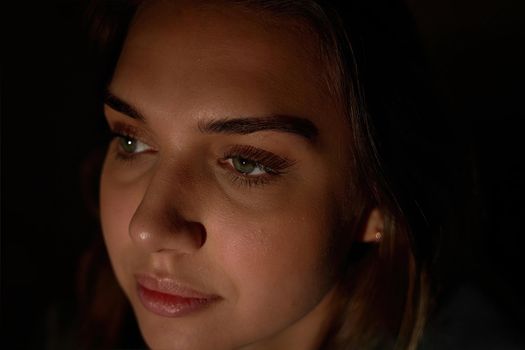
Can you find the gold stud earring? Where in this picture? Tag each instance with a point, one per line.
(379, 236)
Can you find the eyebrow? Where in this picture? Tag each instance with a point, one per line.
(123, 107)
(245, 125)
(283, 123)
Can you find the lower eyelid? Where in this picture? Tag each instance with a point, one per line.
(250, 181)
(246, 181)
(125, 157)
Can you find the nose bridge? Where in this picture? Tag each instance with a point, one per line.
(167, 217)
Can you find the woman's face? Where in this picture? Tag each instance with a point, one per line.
(220, 200)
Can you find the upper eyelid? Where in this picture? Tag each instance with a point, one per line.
(262, 157)
(253, 151)
(126, 127)
(132, 131)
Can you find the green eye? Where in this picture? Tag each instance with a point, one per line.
(244, 166)
(253, 166)
(128, 144)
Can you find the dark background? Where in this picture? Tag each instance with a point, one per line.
(49, 126)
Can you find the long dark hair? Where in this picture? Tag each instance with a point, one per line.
(375, 70)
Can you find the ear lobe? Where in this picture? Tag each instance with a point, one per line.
(374, 227)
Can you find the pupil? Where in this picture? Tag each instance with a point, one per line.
(244, 166)
(128, 144)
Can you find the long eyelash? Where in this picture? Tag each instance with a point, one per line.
(125, 131)
(274, 164)
(250, 181)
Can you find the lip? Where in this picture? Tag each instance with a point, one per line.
(170, 298)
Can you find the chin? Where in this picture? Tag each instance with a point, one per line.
(178, 334)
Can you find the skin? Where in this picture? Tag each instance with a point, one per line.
(176, 207)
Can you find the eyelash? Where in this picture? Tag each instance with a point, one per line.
(274, 165)
(122, 131)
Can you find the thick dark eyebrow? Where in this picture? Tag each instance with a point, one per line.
(284, 123)
(122, 106)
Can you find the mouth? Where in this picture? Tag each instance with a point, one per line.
(170, 298)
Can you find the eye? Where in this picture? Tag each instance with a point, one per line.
(251, 166)
(129, 145)
(247, 166)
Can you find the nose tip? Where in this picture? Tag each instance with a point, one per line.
(155, 228)
(185, 237)
(167, 217)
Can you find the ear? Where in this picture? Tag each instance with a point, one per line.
(374, 227)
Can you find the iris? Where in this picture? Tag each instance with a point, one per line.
(128, 145)
(247, 166)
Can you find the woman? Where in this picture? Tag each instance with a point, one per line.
(269, 183)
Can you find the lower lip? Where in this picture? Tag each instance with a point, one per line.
(169, 305)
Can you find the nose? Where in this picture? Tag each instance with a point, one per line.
(163, 220)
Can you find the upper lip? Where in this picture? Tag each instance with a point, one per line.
(169, 285)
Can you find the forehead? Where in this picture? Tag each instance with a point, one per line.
(179, 54)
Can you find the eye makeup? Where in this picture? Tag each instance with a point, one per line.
(246, 165)
(129, 142)
(270, 165)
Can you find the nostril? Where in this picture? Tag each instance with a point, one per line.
(200, 231)
(159, 225)
(182, 229)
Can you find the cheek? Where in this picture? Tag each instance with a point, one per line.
(279, 265)
(117, 206)
(271, 258)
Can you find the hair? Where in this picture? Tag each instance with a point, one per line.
(375, 71)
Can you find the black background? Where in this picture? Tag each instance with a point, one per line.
(50, 126)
